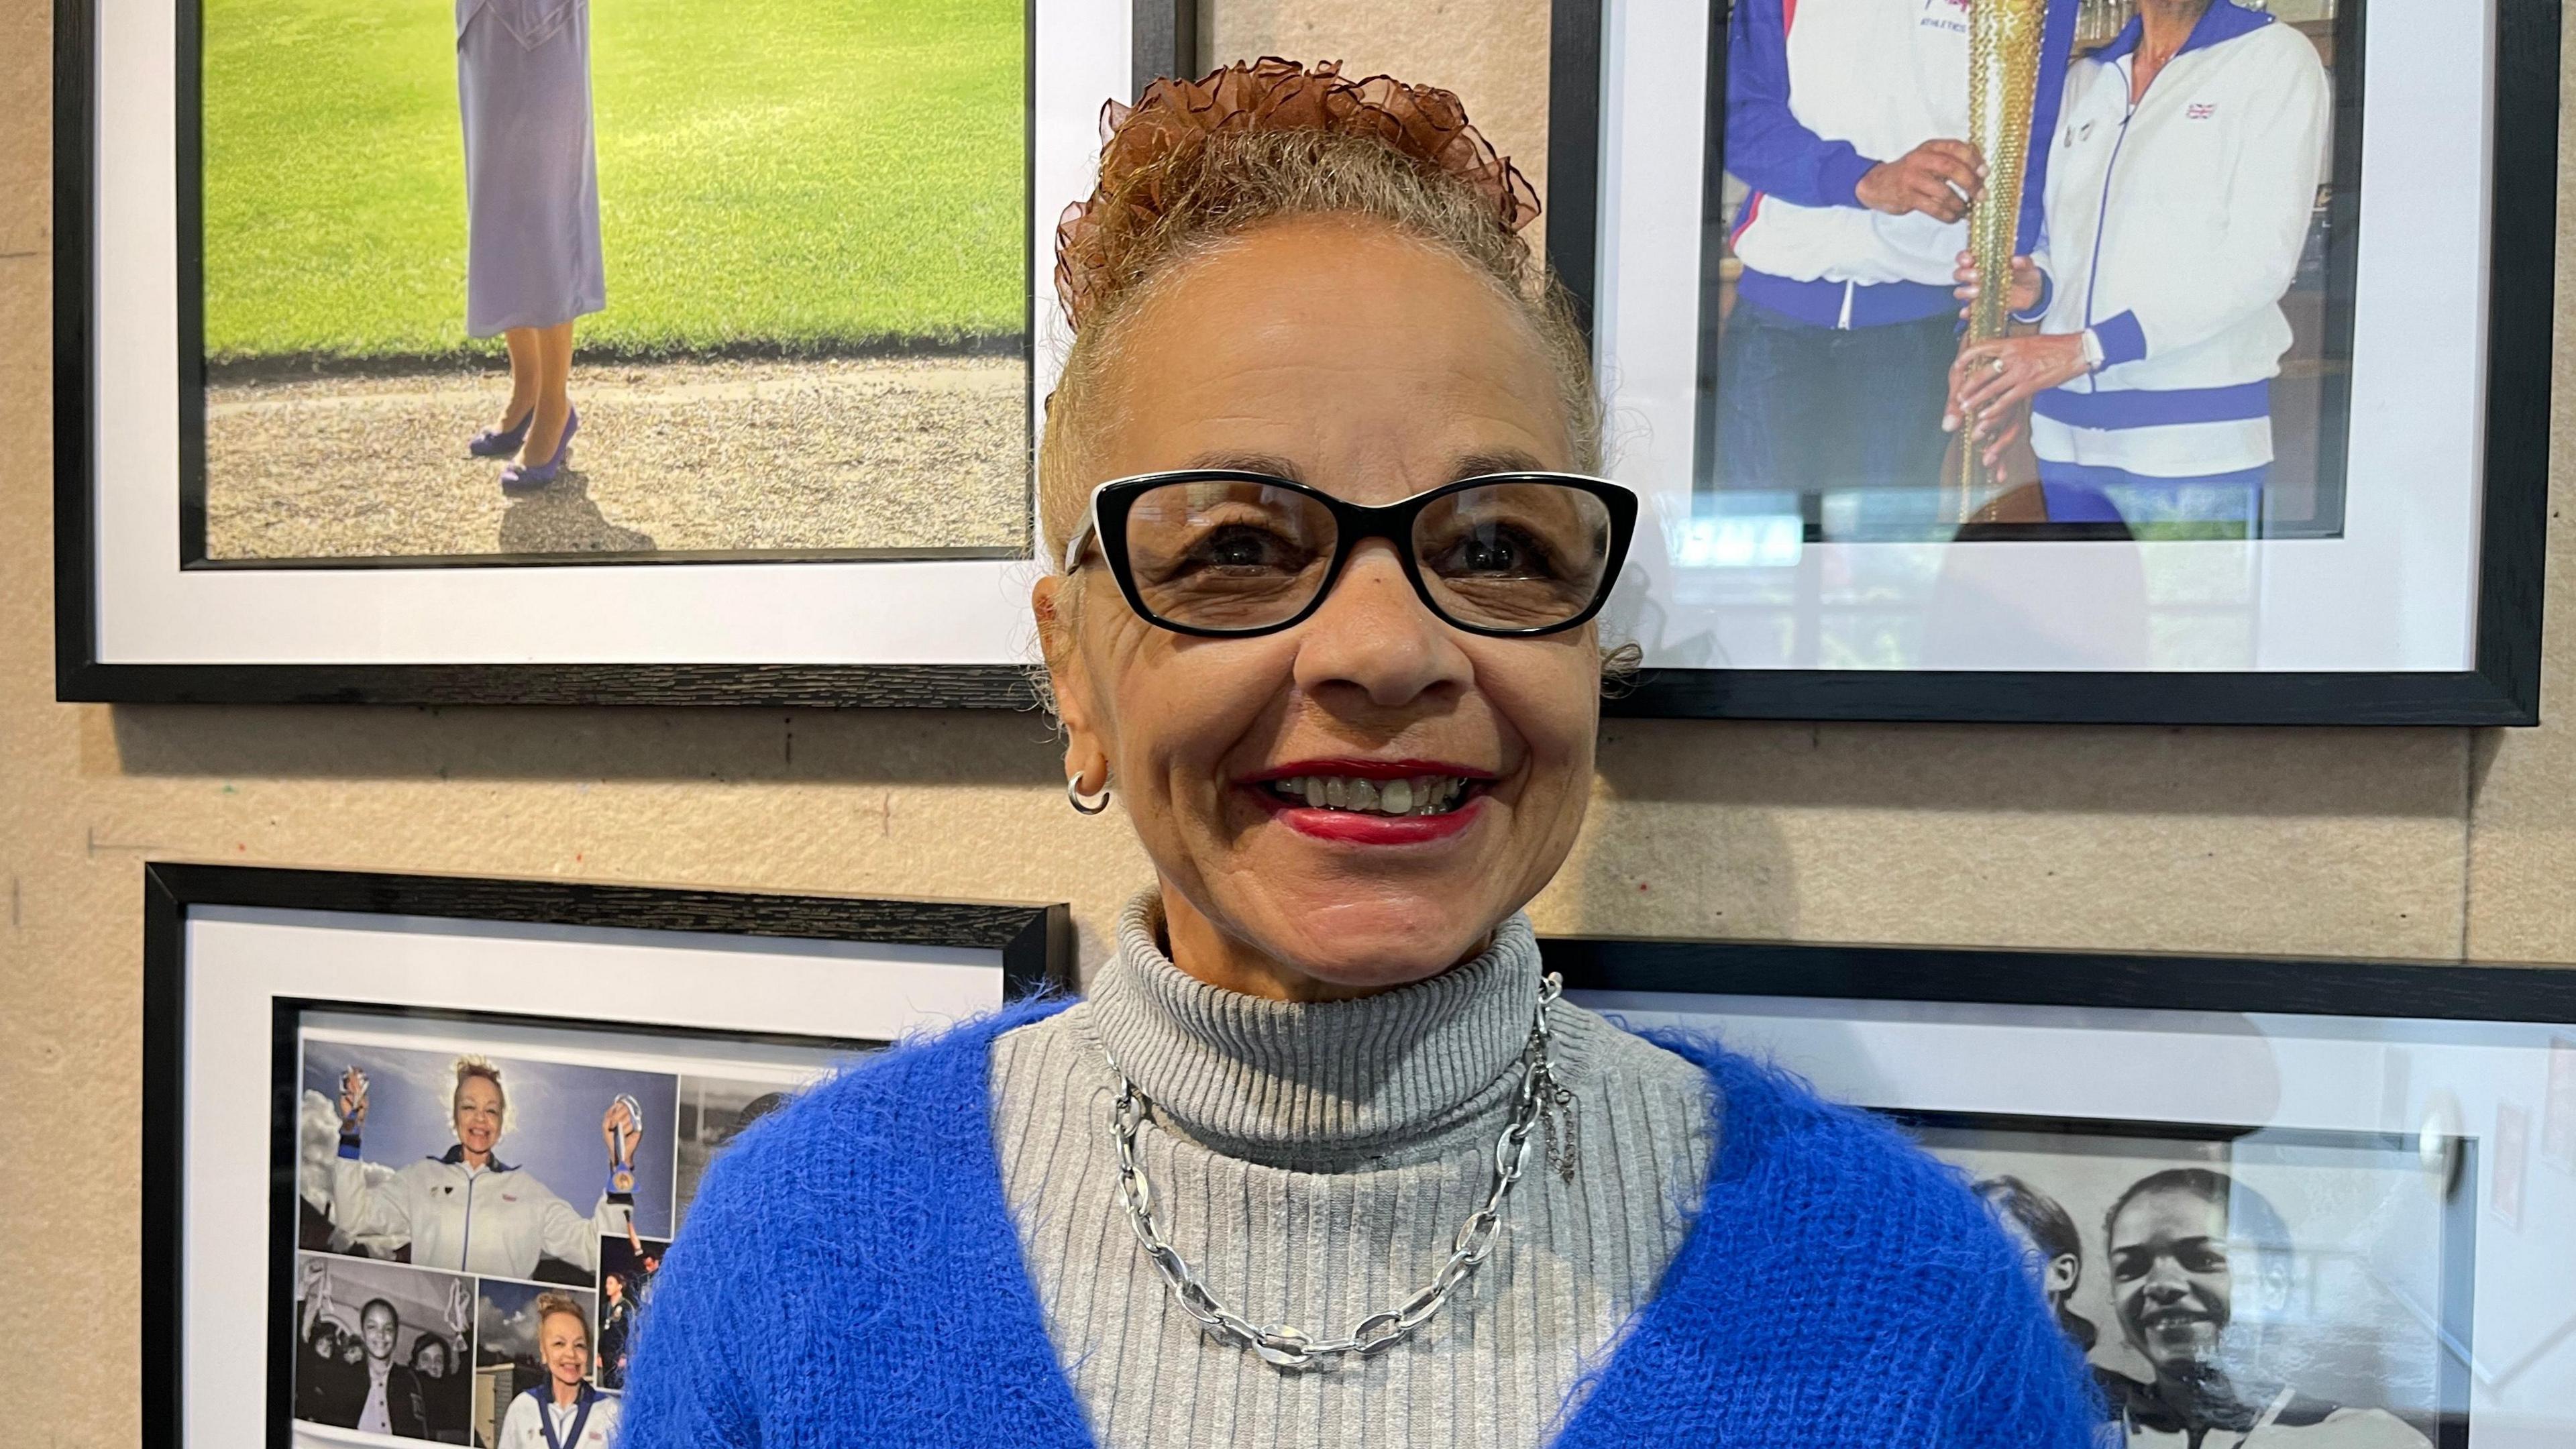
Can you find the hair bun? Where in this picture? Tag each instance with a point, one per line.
(1145, 146)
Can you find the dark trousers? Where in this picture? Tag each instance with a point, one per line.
(1807, 409)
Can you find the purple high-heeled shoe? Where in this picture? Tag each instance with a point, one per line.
(528, 478)
(501, 442)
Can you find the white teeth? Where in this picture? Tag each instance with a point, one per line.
(1419, 795)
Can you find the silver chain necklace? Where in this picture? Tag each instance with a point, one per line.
(1285, 1347)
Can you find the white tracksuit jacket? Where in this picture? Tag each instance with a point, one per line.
(2173, 229)
(522, 1424)
(1818, 92)
(498, 1220)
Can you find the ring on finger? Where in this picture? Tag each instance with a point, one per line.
(1998, 365)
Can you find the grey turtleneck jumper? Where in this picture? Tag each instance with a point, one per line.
(1312, 1163)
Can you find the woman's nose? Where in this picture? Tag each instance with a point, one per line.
(1373, 634)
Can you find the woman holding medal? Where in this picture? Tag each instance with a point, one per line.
(468, 1210)
(562, 1410)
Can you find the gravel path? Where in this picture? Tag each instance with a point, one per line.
(900, 453)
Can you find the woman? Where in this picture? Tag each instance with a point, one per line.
(321, 1379)
(532, 260)
(443, 1391)
(562, 1410)
(2201, 1277)
(2180, 186)
(616, 1320)
(2050, 1249)
(468, 1210)
(1322, 1156)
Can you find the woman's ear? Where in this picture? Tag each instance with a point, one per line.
(1086, 757)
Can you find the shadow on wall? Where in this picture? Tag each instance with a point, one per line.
(1704, 828)
(2046, 769)
(481, 742)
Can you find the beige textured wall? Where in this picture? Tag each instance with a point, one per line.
(1493, 53)
(2426, 843)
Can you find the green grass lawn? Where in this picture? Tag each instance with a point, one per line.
(799, 172)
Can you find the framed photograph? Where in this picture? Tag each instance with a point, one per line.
(413, 1146)
(527, 350)
(2259, 402)
(2257, 1192)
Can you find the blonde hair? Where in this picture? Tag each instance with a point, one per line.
(1197, 165)
(468, 1068)
(552, 1302)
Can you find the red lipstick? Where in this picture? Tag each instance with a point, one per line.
(1358, 827)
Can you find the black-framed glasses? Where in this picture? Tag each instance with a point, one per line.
(1221, 553)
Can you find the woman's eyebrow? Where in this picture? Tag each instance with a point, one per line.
(1477, 465)
(1275, 466)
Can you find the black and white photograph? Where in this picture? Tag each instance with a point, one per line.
(713, 1111)
(2227, 1283)
(382, 1349)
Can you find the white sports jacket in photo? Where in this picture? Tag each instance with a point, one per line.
(498, 1220)
(1820, 91)
(2173, 230)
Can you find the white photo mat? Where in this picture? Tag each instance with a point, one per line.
(148, 610)
(2397, 593)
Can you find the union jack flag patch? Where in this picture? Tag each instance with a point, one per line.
(2202, 110)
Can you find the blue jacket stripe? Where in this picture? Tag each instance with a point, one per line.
(2155, 407)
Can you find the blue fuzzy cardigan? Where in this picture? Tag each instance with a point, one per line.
(849, 1275)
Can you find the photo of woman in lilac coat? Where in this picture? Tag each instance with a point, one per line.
(532, 215)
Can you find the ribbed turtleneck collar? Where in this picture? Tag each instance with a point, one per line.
(1317, 1086)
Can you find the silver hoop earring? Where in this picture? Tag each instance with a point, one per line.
(1085, 804)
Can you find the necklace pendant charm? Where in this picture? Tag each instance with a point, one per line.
(1561, 1150)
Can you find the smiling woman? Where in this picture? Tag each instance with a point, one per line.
(1323, 1157)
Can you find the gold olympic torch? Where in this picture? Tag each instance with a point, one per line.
(2003, 81)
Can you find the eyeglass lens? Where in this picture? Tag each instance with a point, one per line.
(1233, 554)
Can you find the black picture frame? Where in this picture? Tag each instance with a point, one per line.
(82, 677)
(2134, 980)
(1036, 944)
(2420, 991)
(2502, 688)
(1164, 41)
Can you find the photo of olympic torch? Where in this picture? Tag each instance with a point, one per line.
(2003, 83)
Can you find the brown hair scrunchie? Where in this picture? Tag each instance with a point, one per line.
(1147, 150)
